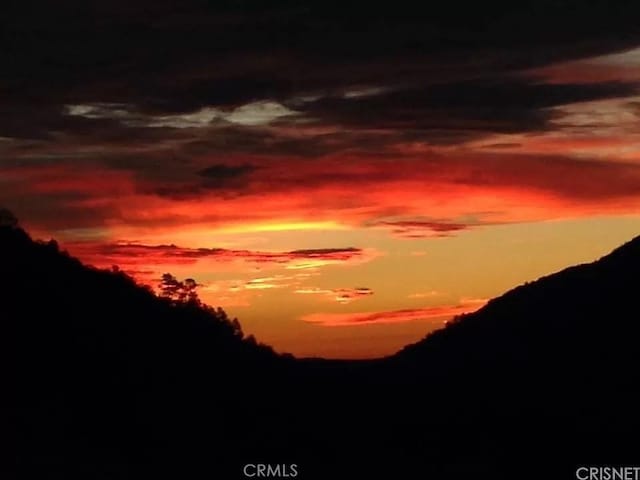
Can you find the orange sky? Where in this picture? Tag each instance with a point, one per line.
(346, 253)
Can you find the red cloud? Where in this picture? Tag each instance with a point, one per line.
(420, 193)
(443, 312)
(340, 295)
(135, 255)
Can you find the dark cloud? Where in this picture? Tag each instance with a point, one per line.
(327, 253)
(301, 141)
(115, 253)
(501, 145)
(224, 179)
(635, 108)
(340, 295)
(164, 58)
(455, 112)
(156, 53)
(226, 172)
(228, 98)
(445, 73)
(424, 228)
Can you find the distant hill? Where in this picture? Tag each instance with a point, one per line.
(551, 369)
(112, 381)
(105, 371)
(45, 290)
(587, 312)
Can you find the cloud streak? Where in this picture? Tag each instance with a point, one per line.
(423, 228)
(339, 295)
(443, 313)
(135, 258)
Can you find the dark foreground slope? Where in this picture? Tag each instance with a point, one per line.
(553, 365)
(113, 382)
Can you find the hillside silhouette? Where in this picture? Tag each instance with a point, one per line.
(112, 381)
(105, 368)
(580, 321)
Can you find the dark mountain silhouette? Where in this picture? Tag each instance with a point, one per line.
(556, 358)
(105, 368)
(576, 324)
(112, 381)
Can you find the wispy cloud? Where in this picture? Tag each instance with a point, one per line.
(250, 114)
(134, 258)
(423, 228)
(443, 312)
(428, 294)
(340, 295)
(268, 283)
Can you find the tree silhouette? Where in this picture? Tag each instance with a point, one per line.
(177, 291)
(7, 218)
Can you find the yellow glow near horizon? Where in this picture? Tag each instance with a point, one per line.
(282, 227)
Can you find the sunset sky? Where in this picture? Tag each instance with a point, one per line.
(343, 178)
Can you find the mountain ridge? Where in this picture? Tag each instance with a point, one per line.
(138, 386)
(549, 288)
